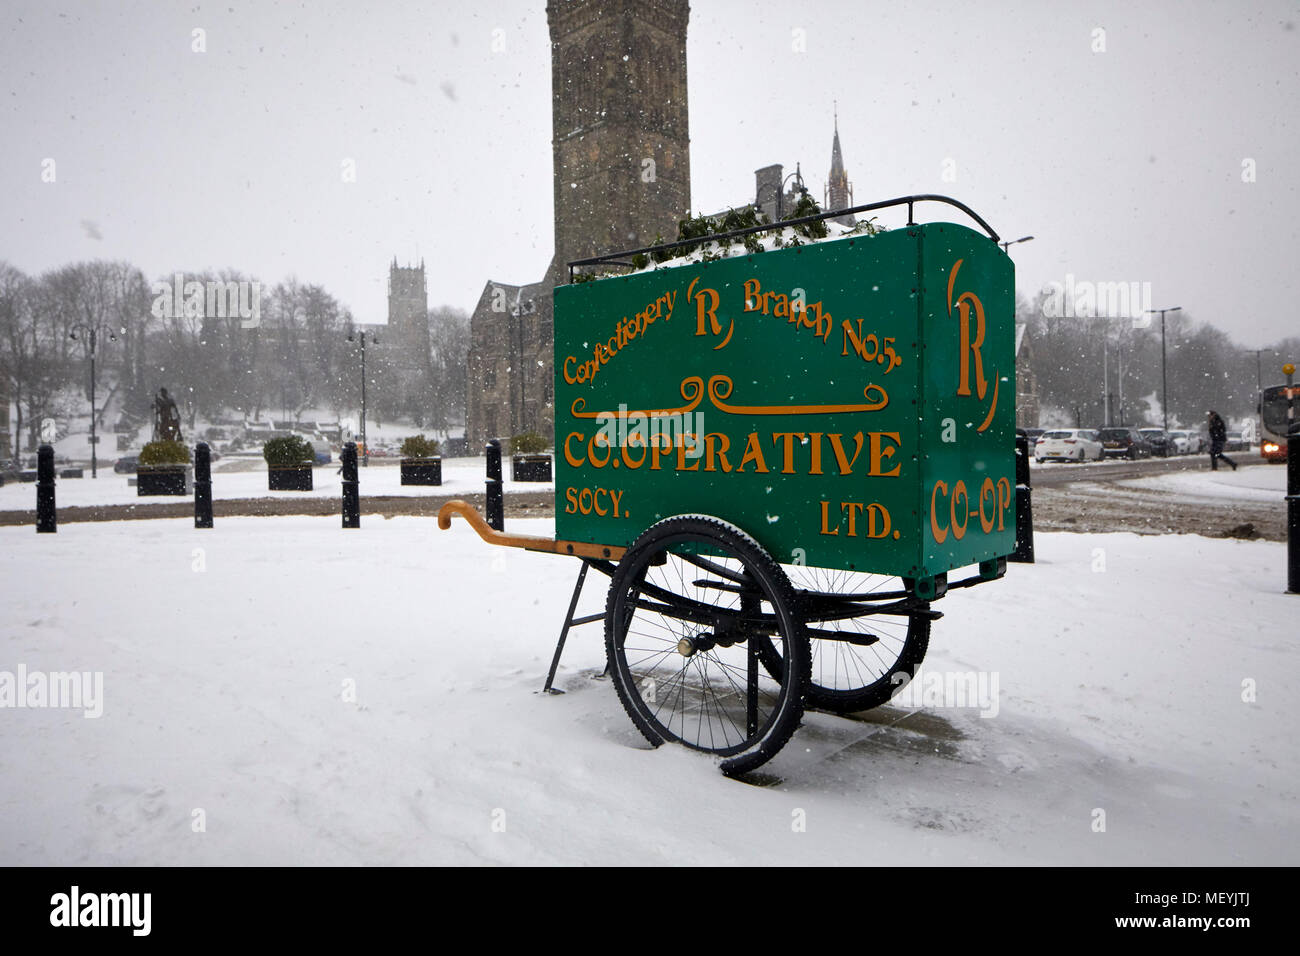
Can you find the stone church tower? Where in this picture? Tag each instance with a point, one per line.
(619, 123)
(408, 316)
(621, 149)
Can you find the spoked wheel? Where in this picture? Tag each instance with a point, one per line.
(866, 633)
(693, 606)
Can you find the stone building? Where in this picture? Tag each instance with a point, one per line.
(621, 154)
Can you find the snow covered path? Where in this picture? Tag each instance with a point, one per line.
(227, 656)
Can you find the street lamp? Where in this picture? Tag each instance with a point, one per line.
(374, 340)
(1164, 377)
(1106, 393)
(89, 334)
(1014, 241)
(517, 312)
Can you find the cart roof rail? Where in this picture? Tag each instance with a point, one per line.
(618, 258)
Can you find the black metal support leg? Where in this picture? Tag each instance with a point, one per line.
(564, 631)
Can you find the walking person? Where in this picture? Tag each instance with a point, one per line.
(1218, 435)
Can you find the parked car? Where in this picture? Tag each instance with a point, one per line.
(1069, 444)
(1236, 442)
(1034, 434)
(1182, 442)
(1159, 440)
(127, 465)
(1124, 442)
(322, 450)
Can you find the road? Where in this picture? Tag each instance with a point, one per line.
(1095, 498)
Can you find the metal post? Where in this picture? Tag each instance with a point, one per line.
(364, 444)
(1164, 378)
(1024, 553)
(1292, 487)
(46, 520)
(94, 439)
(1105, 379)
(202, 485)
(351, 487)
(495, 507)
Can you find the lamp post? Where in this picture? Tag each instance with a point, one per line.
(517, 313)
(1112, 409)
(89, 334)
(1164, 376)
(374, 340)
(1014, 241)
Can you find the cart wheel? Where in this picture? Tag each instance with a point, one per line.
(867, 669)
(692, 605)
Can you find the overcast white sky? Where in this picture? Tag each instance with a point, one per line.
(1126, 165)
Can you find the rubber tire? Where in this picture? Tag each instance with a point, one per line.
(883, 689)
(794, 677)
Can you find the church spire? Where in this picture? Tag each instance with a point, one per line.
(839, 191)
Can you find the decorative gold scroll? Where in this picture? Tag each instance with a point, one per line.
(692, 389)
(720, 387)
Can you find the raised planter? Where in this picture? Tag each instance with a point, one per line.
(421, 471)
(530, 467)
(72, 473)
(176, 480)
(288, 477)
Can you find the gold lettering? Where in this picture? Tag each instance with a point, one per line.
(879, 453)
(754, 453)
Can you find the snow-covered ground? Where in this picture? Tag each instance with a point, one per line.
(1264, 483)
(315, 695)
(381, 477)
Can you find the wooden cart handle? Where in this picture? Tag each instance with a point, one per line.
(528, 542)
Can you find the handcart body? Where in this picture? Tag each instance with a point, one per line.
(778, 459)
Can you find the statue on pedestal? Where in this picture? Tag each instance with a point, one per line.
(166, 418)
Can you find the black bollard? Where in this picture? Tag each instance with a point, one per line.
(1024, 553)
(496, 509)
(351, 487)
(1293, 510)
(46, 521)
(202, 485)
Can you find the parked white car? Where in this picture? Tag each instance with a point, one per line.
(1183, 443)
(1069, 444)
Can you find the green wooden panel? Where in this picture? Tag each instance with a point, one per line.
(811, 384)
